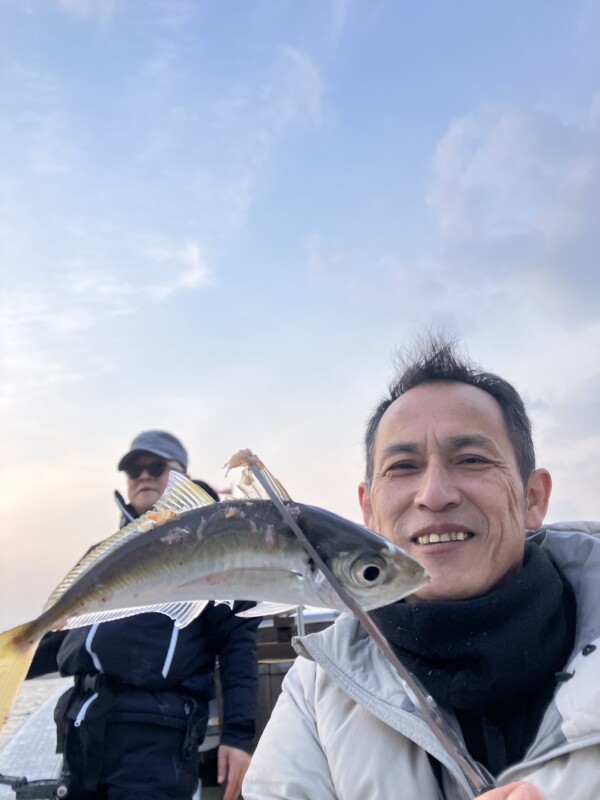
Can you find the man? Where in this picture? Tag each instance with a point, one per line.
(132, 724)
(504, 637)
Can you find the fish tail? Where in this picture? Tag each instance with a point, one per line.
(17, 648)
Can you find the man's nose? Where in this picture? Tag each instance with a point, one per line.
(436, 489)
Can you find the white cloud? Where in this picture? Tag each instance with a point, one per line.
(102, 9)
(291, 95)
(34, 361)
(194, 273)
(39, 316)
(36, 126)
(339, 14)
(516, 194)
(297, 91)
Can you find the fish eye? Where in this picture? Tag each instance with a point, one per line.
(370, 573)
(367, 571)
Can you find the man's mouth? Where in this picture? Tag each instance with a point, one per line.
(448, 536)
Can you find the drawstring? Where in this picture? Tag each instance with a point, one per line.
(170, 652)
(82, 711)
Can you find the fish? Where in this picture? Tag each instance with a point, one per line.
(189, 550)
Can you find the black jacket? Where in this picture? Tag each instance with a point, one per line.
(145, 669)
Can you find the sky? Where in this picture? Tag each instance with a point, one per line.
(222, 220)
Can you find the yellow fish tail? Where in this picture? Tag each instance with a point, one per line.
(17, 648)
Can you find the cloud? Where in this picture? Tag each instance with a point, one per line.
(587, 30)
(102, 9)
(393, 283)
(217, 148)
(290, 95)
(36, 125)
(78, 294)
(194, 273)
(568, 439)
(575, 418)
(39, 315)
(339, 14)
(516, 195)
(34, 364)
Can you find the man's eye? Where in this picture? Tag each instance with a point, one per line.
(473, 460)
(401, 466)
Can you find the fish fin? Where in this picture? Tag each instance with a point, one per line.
(17, 648)
(181, 494)
(266, 609)
(249, 485)
(182, 613)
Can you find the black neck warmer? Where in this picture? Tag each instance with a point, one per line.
(492, 659)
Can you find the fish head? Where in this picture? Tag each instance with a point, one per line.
(373, 570)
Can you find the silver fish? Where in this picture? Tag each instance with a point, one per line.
(189, 550)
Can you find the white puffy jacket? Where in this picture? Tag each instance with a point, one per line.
(344, 729)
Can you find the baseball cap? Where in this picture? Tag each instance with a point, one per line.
(159, 443)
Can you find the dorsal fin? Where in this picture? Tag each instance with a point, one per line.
(248, 485)
(181, 494)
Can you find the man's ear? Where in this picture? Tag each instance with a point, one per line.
(364, 498)
(539, 487)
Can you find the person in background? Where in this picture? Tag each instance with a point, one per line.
(504, 637)
(131, 725)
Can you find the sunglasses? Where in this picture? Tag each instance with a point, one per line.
(155, 469)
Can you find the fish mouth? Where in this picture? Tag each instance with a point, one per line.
(441, 534)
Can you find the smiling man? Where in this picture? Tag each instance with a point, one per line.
(504, 637)
(444, 484)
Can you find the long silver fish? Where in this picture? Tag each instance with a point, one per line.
(189, 550)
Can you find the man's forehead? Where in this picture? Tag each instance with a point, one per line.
(453, 409)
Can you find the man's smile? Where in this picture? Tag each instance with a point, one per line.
(441, 533)
(436, 538)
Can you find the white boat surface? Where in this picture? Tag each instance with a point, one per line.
(28, 744)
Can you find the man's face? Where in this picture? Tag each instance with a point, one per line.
(145, 489)
(446, 488)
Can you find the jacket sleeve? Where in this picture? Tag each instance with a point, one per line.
(289, 762)
(238, 673)
(44, 660)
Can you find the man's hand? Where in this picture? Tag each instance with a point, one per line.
(514, 791)
(233, 764)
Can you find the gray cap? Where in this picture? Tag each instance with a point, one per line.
(159, 443)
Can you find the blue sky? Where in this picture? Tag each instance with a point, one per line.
(221, 219)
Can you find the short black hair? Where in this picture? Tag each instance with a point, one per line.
(434, 358)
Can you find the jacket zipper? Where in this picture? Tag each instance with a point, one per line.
(96, 661)
(559, 751)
